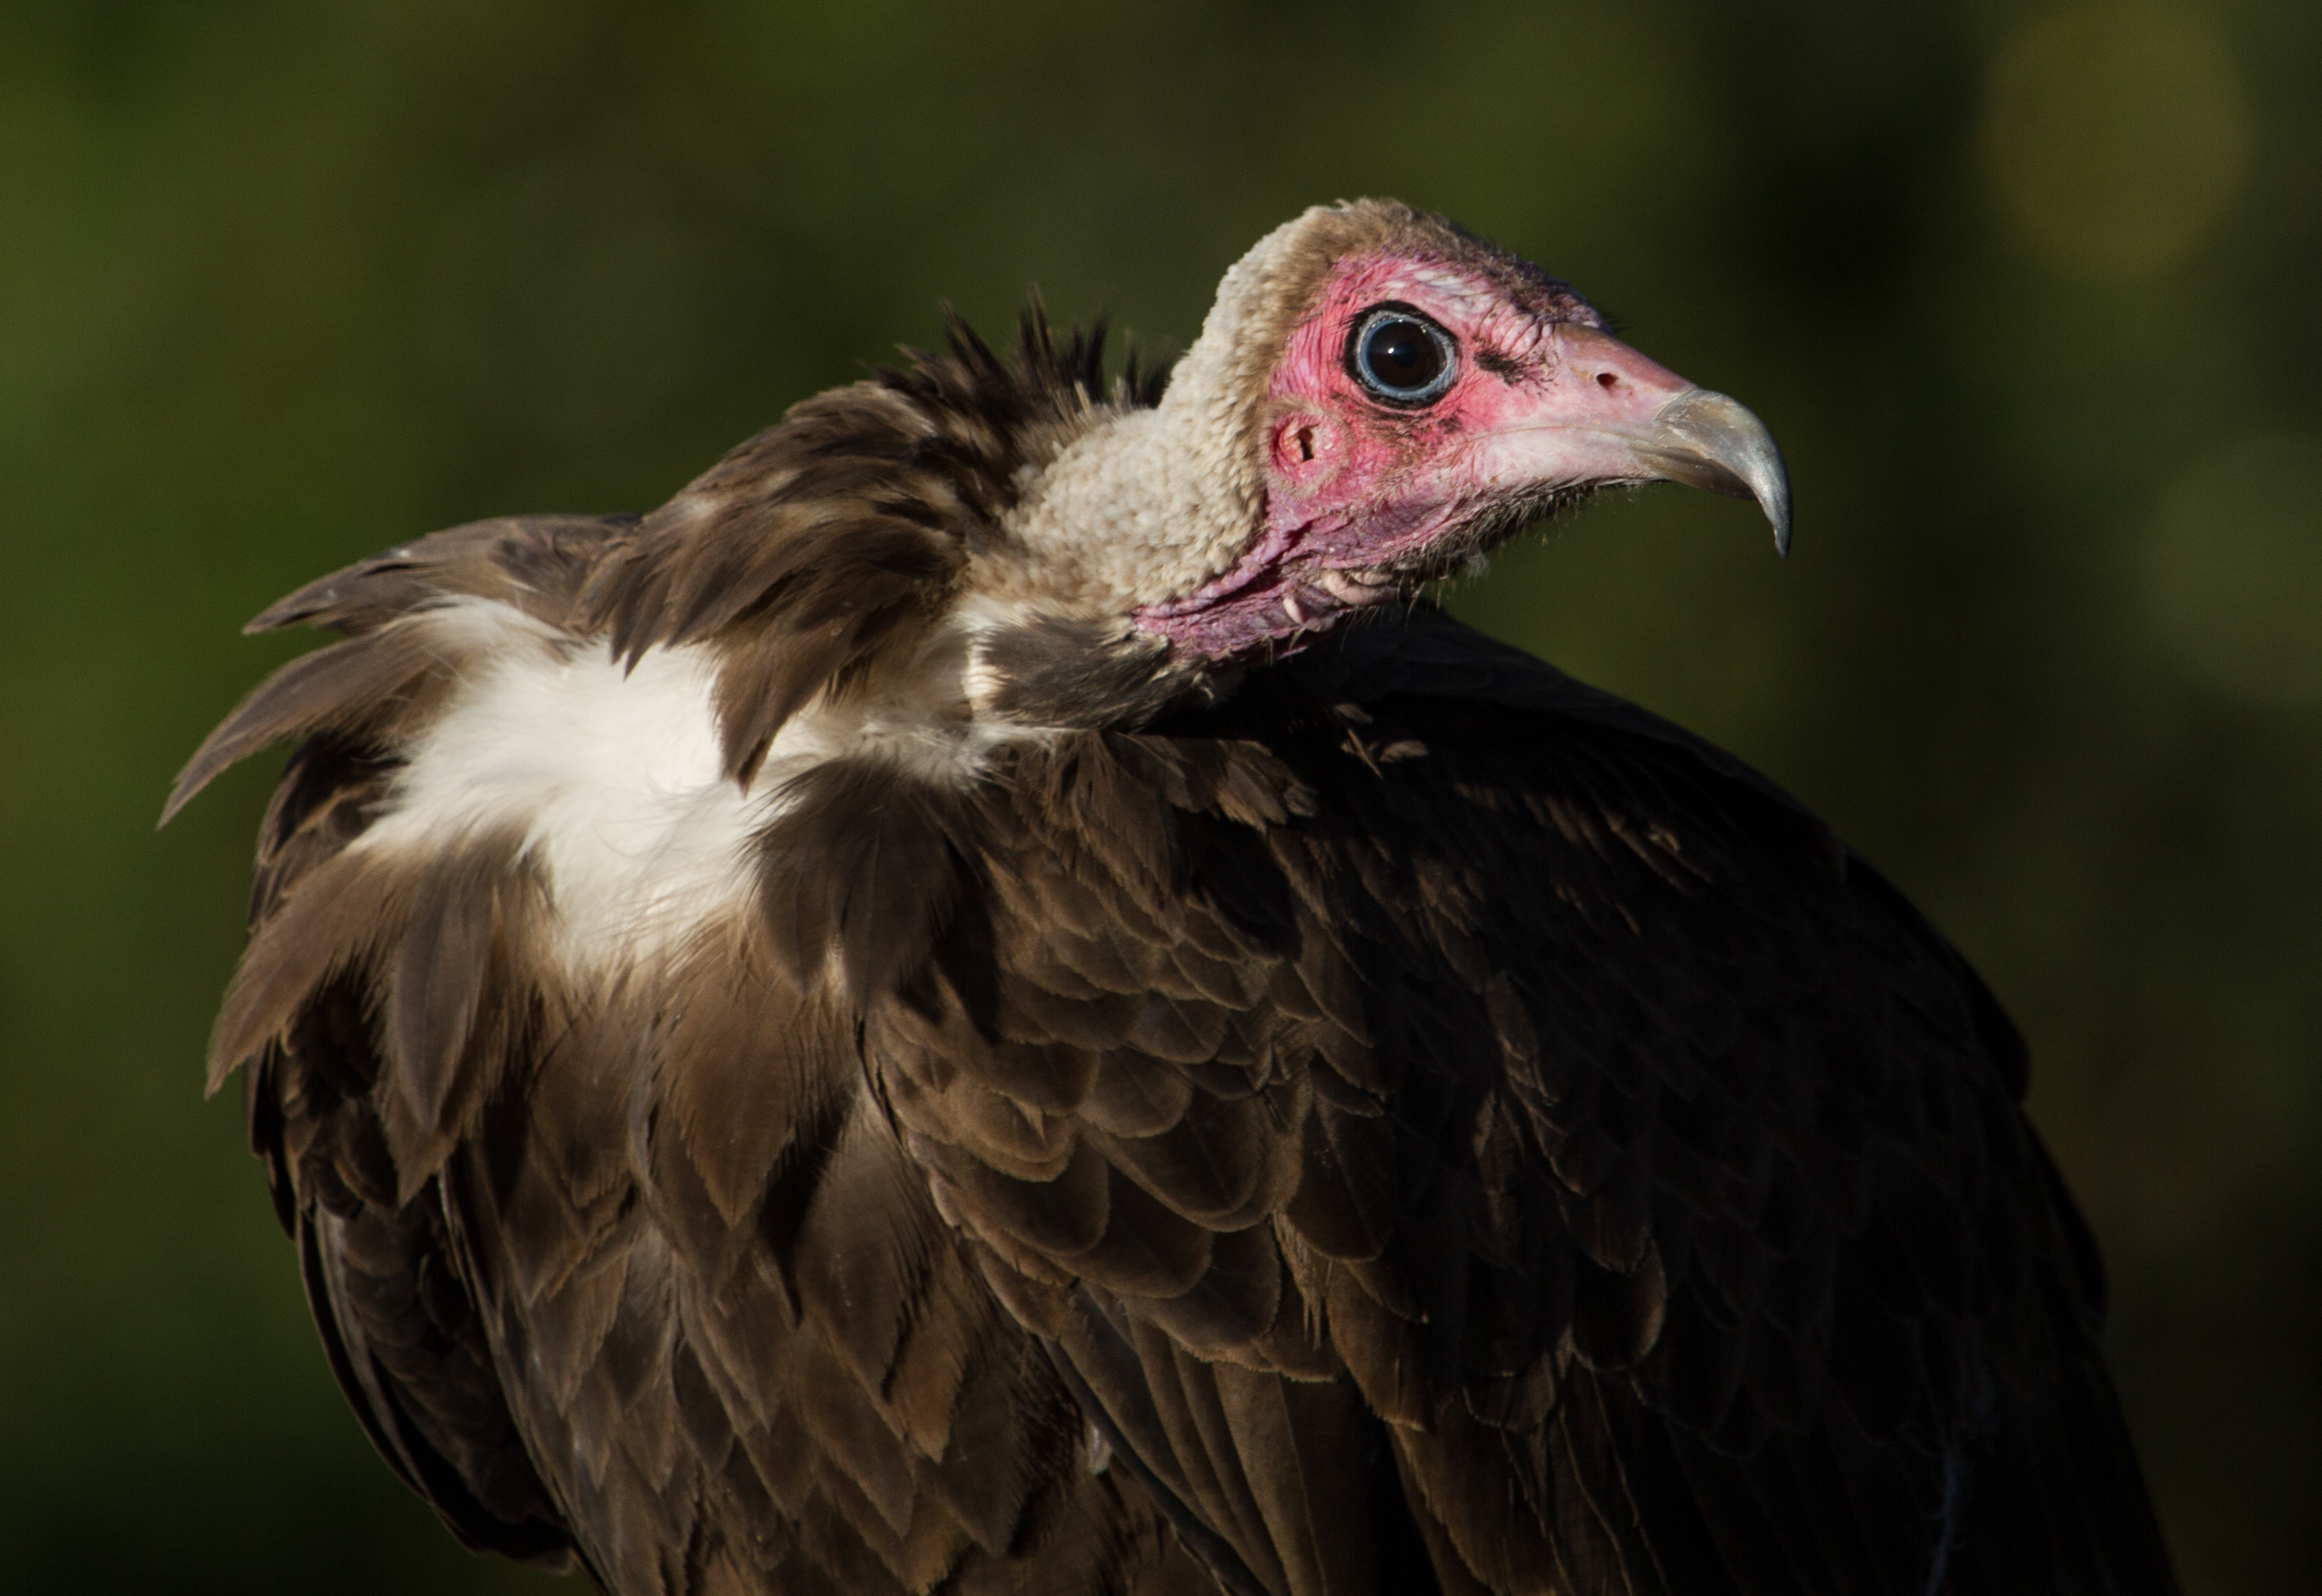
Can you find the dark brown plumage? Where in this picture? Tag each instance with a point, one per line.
(1045, 1097)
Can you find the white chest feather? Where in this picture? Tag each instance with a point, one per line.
(612, 778)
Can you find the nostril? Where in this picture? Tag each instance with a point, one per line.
(1606, 380)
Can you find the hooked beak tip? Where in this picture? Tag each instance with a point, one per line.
(1706, 440)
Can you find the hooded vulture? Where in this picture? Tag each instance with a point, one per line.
(983, 1002)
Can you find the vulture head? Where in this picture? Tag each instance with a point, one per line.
(1376, 397)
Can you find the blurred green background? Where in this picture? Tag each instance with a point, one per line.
(2032, 296)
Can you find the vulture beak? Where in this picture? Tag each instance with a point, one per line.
(1616, 417)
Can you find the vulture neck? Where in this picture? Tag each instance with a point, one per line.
(1146, 507)
(1149, 505)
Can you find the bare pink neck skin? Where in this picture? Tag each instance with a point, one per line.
(1357, 492)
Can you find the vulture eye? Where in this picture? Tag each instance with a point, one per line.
(1400, 356)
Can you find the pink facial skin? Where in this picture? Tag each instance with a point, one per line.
(1364, 497)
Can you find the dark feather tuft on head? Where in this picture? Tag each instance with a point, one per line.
(839, 533)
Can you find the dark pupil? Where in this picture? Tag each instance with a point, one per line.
(1401, 355)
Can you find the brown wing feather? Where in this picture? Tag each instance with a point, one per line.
(399, 1326)
(635, 1273)
(1643, 1176)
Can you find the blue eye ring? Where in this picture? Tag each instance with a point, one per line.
(1401, 356)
